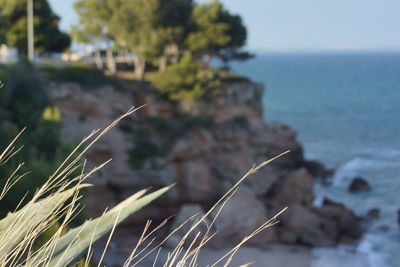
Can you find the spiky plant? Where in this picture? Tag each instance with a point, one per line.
(57, 201)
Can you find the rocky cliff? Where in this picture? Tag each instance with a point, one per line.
(203, 147)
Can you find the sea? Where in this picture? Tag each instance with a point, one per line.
(345, 108)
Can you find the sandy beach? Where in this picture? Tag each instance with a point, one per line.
(272, 256)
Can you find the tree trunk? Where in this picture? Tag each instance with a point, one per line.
(207, 59)
(127, 56)
(163, 63)
(111, 62)
(97, 60)
(140, 66)
(175, 54)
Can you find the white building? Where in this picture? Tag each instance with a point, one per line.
(8, 54)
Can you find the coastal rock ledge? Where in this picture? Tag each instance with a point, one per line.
(203, 147)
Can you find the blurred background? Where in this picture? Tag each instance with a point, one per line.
(228, 84)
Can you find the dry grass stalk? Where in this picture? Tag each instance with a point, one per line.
(186, 253)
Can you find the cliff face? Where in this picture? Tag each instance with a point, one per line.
(204, 153)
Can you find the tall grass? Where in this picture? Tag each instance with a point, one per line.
(57, 201)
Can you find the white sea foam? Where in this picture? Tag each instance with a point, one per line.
(377, 248)
(357, 164)
(346, 118)
(341, 256)
(372, 251)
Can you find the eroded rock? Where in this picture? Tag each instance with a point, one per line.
(359, 184)
(204, 163)
(188, 216)
(240, 216)
(301, 225)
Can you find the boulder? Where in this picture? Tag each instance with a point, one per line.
(359, 184)
(373, 213)
(295, 188)
(194, 181)
(347, 223)
(317, 169)
(188, 215)
(398, 217)
(302, 226)
(240, 216)
(234, 99)
(283, 138)
(262, 181)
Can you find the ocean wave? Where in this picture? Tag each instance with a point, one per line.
(340, 256)
(353, 167)
(365, 254)
(387, 153)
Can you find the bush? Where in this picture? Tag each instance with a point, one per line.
(82, 74)
(178, 125)
(142, 151)
(171, 129)
(22, 103)
(187, 80)
(241, 121)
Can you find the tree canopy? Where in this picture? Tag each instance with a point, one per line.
(94, 20)
(48, 37)
(216, 32)
(147, 26)
(161, 31)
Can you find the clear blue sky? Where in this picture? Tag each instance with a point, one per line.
(305, 25)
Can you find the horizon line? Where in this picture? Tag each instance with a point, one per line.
(324, 50)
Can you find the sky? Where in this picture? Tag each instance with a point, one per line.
(305, 25)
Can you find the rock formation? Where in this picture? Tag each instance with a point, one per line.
(359, 184)
(204, 151)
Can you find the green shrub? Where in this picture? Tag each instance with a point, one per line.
(187, 80)
(178, 125)
(126, 128)
(22, 102)
(241, 121)
(82, 74)
(22, 96)
(143, 150)
(165, 130)
(3, 70)
(82, 118)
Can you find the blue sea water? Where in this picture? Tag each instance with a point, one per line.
(346, 110)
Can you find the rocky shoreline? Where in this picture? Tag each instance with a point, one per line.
(204, 148)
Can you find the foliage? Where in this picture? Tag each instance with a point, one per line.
(83, 74)
(216, 32)
(37, 234)
(23, 232)
(145, 133)
(48, 37)
(187, 80)
(94, 18)
(178, 125)
(22, 103)
(241, 121)
(155, 30)
(143, 150)
(52, 114)
(77, 240)
(147, 26)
